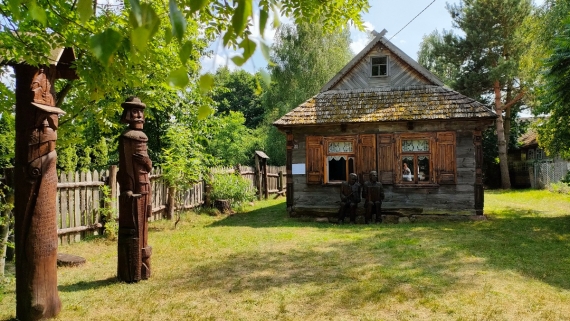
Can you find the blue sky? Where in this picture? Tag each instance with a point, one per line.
(391, 15)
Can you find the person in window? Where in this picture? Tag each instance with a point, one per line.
(373, 194)
(407, 173)
(349, 198)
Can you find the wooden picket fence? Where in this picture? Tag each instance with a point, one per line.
(81, 201)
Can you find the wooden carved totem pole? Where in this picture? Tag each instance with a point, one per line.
(134, 200)
(35, 193)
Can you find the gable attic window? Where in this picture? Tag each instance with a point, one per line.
(379, 66)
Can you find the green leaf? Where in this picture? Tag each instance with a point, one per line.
(265, 77)
(185, 51)
(203, 112)
(206, 82)
(38, 13)
(238, 60)
(85, 10)
(14, 6)
(197, 5)
(150, 19)
(178, 78)
(263, 16)
(241, 14)
(229, 35)
(139, 38)
(135, 15)
(105, 44)
(167, 35)
(176, 20)
(248, 47)
(265, 51)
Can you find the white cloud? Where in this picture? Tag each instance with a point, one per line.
(359, 39)
(211, 64)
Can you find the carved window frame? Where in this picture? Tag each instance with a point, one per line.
(416, 158)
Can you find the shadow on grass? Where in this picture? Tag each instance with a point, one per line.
(270, 216)
(512, 239)
(84, 286)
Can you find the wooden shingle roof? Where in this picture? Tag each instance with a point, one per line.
(385, 104)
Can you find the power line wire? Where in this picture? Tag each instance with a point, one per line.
(412, 20)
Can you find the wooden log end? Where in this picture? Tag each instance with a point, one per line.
(69, 260)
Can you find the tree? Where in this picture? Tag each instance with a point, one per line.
(555, 98)
(428, 57)
(239, 91)
(304, 58)
(545, 68)
(27, 27)
(232, 142)
(488, 59)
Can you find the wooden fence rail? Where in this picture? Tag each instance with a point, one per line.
(81, 199)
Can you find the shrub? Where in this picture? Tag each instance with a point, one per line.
(232, 187)
(560, 187)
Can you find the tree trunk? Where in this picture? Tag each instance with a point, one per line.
(508, 114)
(6, 215)
(501, 142)
(4, 231)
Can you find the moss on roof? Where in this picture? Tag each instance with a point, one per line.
(385, 104)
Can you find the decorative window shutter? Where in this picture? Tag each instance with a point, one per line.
(386, 158)
(314, 159)
(366, 155)
(445, 158)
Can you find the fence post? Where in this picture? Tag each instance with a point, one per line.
(170, 202)
(258, 183)
(208, 190)
(265, 178)
(280, 182)
(112, 183)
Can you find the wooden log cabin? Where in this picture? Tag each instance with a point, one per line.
(381, 111)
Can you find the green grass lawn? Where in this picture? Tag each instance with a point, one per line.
(263, 265)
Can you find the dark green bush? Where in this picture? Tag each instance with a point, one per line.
(232, 187)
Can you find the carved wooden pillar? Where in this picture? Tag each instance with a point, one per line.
(35, 194)
(479, 192)
(134, 200)
(289, 169)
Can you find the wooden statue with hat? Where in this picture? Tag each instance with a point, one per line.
(134, 200)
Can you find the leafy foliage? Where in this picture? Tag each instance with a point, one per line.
(554, 131)
(232, 142)
(30, 29)
(109, 215)
(305, 57)
(232, 187)
(7, 139)
(239, 91)
(429, 58)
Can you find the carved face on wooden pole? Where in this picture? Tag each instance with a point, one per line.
(35, 194)
(134, 201)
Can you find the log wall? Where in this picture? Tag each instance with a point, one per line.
(324, 199)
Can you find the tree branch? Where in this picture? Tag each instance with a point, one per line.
(63, 92)
(516, 99)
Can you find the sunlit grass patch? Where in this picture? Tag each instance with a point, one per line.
(261, 264)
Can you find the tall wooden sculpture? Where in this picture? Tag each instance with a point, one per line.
(35, 194)
(134, 199)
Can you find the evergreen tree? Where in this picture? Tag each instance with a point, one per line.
(488, 56)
